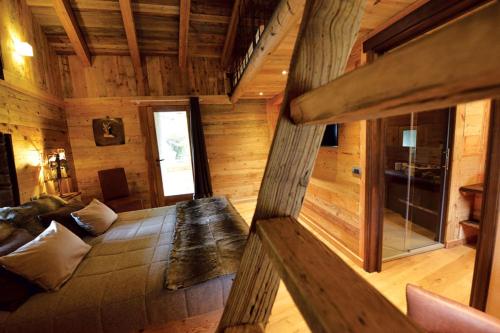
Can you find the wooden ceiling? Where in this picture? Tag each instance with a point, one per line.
(270, 80)
(156, 22)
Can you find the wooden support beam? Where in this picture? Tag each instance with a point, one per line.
(285, 17)
(184, 13)
(135, 55)
(68, 21)
(423, 19)
(456, 64)
(490, 215)
(331, 296)
(227, 51)
(330, 25)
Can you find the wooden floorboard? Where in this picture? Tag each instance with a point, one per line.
(447, 272)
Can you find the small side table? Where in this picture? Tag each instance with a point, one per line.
(472, 225)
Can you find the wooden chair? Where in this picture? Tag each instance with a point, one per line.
(436, 314)
(115, 191)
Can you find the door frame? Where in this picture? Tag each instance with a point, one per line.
(431, 15)
(154, 157)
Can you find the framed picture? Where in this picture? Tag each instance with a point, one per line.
(108, 131)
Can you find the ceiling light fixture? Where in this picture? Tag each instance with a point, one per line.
(261, 93)
(284, 72)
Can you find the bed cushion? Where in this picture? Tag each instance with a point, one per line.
(96, 218)
(64, 217)
(14, 290)
(50, 259)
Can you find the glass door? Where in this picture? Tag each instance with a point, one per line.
(174, 154)
(416, 170)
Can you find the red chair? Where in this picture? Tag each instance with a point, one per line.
(436, 314)
(115, 191)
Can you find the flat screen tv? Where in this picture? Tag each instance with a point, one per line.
(331, 137)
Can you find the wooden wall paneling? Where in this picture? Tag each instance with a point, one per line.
(490, 215)
(468, 163)
(282, 192)
(65, 13)
(37, 129)
(334, 192)
(89, 158)
(237, 141)
(36, 76)
(200, 77)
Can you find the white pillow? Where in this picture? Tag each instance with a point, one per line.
(96, 218)
(50, 259)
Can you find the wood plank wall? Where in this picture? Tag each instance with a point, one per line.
(468, 163)
(238, 143)
(332, 205)
(89, 158)
(113, 76)
(30, 104)
(332, 200)
(237, 137)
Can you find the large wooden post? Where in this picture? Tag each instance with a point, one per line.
(325, 40)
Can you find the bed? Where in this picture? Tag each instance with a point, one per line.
(119, 286)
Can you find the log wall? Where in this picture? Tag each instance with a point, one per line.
(30, 105)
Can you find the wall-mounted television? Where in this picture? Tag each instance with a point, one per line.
(331, 136)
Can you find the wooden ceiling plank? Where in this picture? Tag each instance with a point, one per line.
(135, 54)
(284, 19)
(184, 13)
(138, 8)
(417, 77)
(68, 20)
(231, 35)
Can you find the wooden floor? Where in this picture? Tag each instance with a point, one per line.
(447, 272)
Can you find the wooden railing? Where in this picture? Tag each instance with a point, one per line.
(253, 16)
(456, 64)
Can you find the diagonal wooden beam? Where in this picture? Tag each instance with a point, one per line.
(68, 21)
(231, 35)
(135, 55)
(285, 17)
(456, 64)
(184, 13)
(331, 296)
(332, 26)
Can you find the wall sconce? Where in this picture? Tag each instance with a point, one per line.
(22, 48)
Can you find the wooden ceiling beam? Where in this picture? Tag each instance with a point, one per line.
(231, 35)
(456, 64)
(138, 8)
(285, 17)
(184, 13)
(68, 21)
(135, 54)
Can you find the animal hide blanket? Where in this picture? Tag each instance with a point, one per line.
(209, 241)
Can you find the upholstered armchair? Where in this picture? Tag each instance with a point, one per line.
(115, 191)
(436, 314)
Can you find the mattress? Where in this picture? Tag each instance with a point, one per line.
(119, 286)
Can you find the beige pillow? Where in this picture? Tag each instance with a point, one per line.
(50, 259)
(96, 218)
